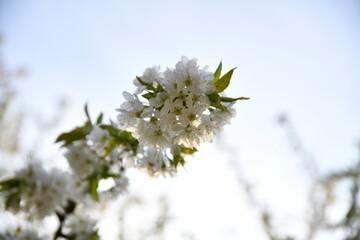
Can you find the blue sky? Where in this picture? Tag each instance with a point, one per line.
(297, 57)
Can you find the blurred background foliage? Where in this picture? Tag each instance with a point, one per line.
(10, 120)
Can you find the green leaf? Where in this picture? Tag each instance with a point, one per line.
(224, 81)
(149, 95)
(217, 73)
(11, 183)
(227, 99)
(87, 114)
(120, 138)
(99, 119)
(76, 134)
(114, 132)
(188, 150)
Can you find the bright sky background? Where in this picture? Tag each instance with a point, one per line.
(296, 57)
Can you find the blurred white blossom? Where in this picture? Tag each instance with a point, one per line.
(82, 159)
(39, 192)
(22, 234)
(99, 139)
(81, 227)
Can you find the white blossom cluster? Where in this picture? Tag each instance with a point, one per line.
(87, 157)
(40, 193)
(176, 112)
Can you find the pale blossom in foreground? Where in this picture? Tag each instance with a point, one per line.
(41, 191)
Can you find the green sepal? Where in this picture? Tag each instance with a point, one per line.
(188, 150)
(159, 88)
(227, 99)
(163, 165)
(217, 73)
(149, 95)
(178, 159)
(214, 97)
(76, 134)
(147, 85)
(222, 83)
(123, 138)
